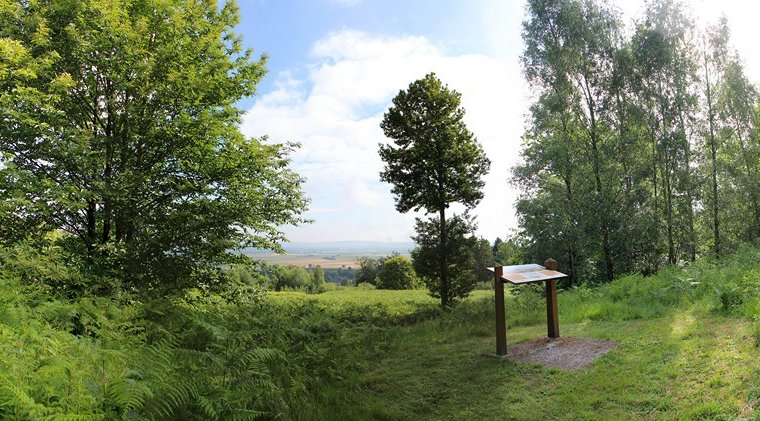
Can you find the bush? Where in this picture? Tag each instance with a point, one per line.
(291, 277)
(397, 273)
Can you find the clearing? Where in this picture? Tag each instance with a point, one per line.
(685, 365)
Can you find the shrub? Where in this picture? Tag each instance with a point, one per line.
(397, 273)
(291, 277)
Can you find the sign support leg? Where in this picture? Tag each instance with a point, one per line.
(552, 316)
(501, 322)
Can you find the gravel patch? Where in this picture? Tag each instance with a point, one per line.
(563, 353)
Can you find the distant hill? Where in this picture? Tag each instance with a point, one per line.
(342, 247)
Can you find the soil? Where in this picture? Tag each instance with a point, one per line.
(563, 353)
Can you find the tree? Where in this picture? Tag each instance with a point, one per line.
(736, 108)
(368, 269)
(569, 57)
(508, 253)
(666, 63)
(483, 257)
(458, 254)
(291, 277)
(317, 283)
(119, 126)
(434, 161)
(713, 60)
(397, 273)
(496, 244)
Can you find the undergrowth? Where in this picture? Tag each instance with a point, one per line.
(207, 355)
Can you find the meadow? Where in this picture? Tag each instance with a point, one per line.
(687, 337)
(688, 342)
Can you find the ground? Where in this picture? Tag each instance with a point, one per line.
(565, 353)
(688, 365)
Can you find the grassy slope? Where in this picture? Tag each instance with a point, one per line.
(395, 302)
(685, 365)
(688, 347)
(687, 350)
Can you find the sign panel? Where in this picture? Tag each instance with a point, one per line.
(522, 274)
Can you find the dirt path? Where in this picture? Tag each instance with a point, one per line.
(564, 353)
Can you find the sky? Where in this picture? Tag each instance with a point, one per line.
(335, 65)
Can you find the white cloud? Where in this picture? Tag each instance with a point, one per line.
(335, 113)
(742, 20)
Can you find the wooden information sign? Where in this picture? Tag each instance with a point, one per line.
(523, 274)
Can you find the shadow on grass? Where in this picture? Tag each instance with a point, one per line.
(684, 365)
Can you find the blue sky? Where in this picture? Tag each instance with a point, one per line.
(287, 30)
(335, 65)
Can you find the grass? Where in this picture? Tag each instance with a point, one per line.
(685, 365)
(688, 345)
(398, 307)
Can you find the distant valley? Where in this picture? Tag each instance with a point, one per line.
(330, 254)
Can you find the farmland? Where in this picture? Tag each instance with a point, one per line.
(331, 254)
(309, 260)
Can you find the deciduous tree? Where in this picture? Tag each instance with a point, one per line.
(120, 126)
(434, 161)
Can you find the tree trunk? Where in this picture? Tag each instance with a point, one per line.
(656, 199)
(91, 227)
(568, 178)
(606, 250)
(672, 259)
(750, 184)
(601, 202)
(713, 159)
(445, 296)
(689, 193)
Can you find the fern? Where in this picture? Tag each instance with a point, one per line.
(128, 394)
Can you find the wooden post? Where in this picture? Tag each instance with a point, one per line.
(501, 322)
(552, 316)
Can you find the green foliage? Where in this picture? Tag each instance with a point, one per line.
(641, 147)
(119, 126)
(434, 161)
(508, 252)
(291, 277)
(341, 276)
(690, 357)
(397, 273)
(368, 269)
(246, 275)
(458, 253)
(296, 355)
(317, 283)
(65, 358)
(756, 332)
(483, 258)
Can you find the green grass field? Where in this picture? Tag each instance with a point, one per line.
(395, 303)
(685, 365)
(687, 350)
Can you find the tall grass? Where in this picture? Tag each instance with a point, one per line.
(208, 356)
